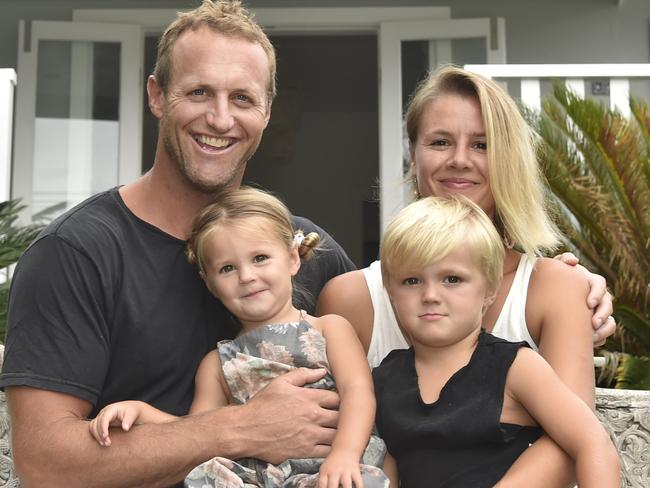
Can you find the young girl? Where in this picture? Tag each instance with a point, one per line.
(247, 252)
(459, 407)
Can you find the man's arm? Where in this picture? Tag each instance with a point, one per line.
(53, 447)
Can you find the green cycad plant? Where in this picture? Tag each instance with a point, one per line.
(14, 239)
(597, 163)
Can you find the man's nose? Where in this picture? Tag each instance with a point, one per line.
(219, 115)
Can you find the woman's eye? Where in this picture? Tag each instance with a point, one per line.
(440, 142)
(226, 269)
(260, 257)
(452, 280)
(481, 146)
(411, 281)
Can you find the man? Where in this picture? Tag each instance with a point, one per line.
(105, 307)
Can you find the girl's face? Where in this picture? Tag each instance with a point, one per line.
(249, 269)
(450, 152)
(440, 304)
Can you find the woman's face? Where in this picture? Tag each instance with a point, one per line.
(450, 153)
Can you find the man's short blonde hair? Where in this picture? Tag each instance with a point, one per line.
(429, 229)
(226, 17)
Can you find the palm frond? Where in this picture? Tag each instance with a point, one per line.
(597, 164)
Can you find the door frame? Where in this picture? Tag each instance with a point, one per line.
(130, 113)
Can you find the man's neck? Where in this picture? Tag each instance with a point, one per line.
(165, 201)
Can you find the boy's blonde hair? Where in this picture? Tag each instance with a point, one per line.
(427, 230)
(239, 207)
(517, 184)
(226, 17)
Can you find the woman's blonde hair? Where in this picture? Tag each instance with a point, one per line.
(239, 207)
(226, 17)
(427, 230)
(516, 181)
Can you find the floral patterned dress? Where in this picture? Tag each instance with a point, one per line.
(249, 363)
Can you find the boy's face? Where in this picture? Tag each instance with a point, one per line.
(442, 303)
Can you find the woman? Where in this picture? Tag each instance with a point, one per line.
(467, 136)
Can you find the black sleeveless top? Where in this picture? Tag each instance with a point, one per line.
(457, 441)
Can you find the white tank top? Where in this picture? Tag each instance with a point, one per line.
(386, 334)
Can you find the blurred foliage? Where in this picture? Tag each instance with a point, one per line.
(597, 163)
(14, 239)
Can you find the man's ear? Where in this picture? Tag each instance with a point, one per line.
(294, 260)
(156, 96)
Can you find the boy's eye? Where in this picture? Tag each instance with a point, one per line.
(226, 269)
(452, 280)
(410, 281)
(260, 257)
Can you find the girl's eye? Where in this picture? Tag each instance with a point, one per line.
(411, 281)
(260, 258)
(226, 269)
(452, 280)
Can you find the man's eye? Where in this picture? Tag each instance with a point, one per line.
(199, 92)
(242, 98)
(226, 269)
(411, 281)
(452, 280)
(260, 257)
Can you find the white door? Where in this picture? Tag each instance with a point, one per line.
(78, 107)
(440, 34)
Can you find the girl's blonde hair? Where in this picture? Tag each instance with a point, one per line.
(239, 207)
(516, 181)
(427, 230)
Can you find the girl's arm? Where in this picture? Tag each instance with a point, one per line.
(565, 418)
(209, 385)
(208, 395)
(560, 322)
(357, 408)
(125, 414)
(347, 295)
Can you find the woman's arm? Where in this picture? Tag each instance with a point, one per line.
(559, 320)
(599, 300)
(357, 408)
(347, 295)
(565, 418)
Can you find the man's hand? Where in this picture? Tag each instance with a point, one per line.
(599, 300)
(285, 420)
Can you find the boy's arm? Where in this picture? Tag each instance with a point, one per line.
(565, 418)
(390, 468)
(559, 319)
(357, 401)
